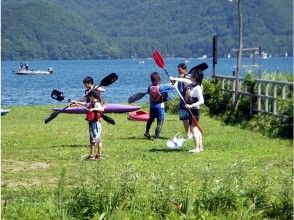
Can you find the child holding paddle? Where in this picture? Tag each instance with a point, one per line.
(93, 117)
(193, 96)
(157, 94)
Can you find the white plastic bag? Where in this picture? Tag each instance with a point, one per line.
(176, 142)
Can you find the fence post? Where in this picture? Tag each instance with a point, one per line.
(275, 99)
(284, 92)
(258, 97)
(234, 90)
(266, 98)
(223, 85)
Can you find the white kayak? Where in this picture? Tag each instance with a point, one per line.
(3, 111)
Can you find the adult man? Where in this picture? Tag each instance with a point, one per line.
(183, 112)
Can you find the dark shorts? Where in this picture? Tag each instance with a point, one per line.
(196, 113)
(157, 113)
(183, 114)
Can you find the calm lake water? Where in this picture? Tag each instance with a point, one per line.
(134, 77)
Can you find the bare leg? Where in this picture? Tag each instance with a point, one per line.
(187, 128)
(196, 137)
(99, 153)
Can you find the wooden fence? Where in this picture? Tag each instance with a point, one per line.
(267, 92)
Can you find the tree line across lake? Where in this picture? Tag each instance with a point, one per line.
(122, 29)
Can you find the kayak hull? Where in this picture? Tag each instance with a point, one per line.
(138, 115)
(109, 108)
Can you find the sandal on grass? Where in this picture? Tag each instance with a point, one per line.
(98, 157)
(90, 157)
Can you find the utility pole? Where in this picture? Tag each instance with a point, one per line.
(239, 58)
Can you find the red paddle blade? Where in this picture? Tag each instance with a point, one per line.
(158, 59)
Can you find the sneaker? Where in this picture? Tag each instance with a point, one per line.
(90, 157)
(195, 150)
(147, 136)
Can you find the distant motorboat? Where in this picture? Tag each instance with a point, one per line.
(263, 55)
(187, 61)
(203, 57)
(141, 61)
(23, 71)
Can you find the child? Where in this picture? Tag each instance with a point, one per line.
(194, 98)
(158, 95)
(93, 117)
(89, 85)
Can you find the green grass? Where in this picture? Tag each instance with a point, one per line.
(240, 174)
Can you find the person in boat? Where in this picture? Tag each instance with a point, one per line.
(158, 95)
(26, 66)
(21, 65)
(181, 85)
(193, 96)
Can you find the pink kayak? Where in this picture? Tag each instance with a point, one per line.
(109, 108)
(139, 115)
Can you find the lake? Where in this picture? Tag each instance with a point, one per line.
(134, 77)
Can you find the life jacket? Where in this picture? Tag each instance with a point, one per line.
(156, 96)
(92, 116)
(188, 99)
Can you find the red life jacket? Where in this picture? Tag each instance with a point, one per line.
(93, 115)
(155, 95)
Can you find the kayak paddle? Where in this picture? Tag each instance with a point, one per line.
(106, 81)
(160, 62)
(136, 97)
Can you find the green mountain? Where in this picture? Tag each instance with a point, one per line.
(54, 29)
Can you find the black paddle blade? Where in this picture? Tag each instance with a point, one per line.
(57, 95)
(201, 66)
(108, 119)
(51, 117)
(111, 78)
(54, 114)
(136, 97)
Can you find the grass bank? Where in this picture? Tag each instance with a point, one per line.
(240, 174)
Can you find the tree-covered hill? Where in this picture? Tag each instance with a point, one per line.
(54, 29)
(44, 31)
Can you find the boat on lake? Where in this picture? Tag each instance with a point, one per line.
(23, 71)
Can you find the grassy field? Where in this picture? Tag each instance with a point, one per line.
(240, 175)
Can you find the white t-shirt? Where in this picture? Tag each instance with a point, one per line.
(197, 92)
